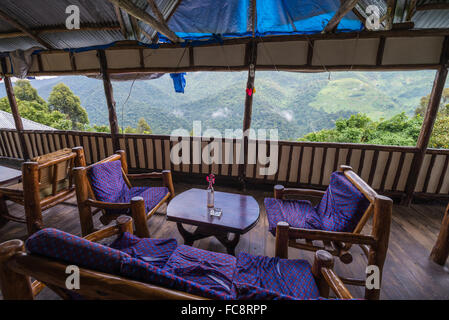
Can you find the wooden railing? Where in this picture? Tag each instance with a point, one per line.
(385, 168)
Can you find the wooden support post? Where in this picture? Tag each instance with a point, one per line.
(440, 250)
(426, 130)
(108, 91)
(15, 112)
(251, 60)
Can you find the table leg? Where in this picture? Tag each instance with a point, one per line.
(229, 244)
(189, 237)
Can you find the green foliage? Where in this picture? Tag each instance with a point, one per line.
(24, 91)
(143, 126)
(64, 100)
(398, 130)
(421, 110)
(33, 107)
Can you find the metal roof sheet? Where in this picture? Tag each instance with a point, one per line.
(7, 122)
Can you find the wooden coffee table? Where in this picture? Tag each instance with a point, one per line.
(240, 214)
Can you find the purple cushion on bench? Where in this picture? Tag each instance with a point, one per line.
(71, 249)
(342, 205)
(291, 278)
(210, 269)
(297, 213)
(154, 251)
(137, 269)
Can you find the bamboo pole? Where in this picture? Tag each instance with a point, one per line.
(108, 91)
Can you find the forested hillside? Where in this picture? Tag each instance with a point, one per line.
(294, 103)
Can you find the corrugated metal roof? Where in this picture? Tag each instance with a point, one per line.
(35, 14)
(7, 122)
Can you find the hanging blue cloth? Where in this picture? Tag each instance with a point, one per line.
(179, 82)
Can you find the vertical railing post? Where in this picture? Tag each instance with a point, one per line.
(429, 121)
(15, 112)
(108, 91)
(251, 60)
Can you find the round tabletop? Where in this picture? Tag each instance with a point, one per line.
(239, 212)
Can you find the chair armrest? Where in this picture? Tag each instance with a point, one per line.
(346, 237)
(335, 284)
(280, 191)
(107, 205)
(122, 224)
(326, 278)
(149, 175)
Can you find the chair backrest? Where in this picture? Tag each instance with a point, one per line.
(353, 199)
(54, 171)
(107, 181)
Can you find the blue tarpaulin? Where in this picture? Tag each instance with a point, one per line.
(206, 19)
(179, 82)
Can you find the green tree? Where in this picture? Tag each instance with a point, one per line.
(62, 99)
(23, 90)
(359, 128)
(421, 110)
(143, 126)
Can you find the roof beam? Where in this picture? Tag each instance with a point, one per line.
(24, 29)
(157, 12)
(57, 29)
(345, 7)
(143, 16)
(119, 16)
(432, 6)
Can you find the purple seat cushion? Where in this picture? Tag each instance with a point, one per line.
(71, 249)
(297, 213)
(287, 278)
(342, 205)
(151, 195)
(108, 185)
(210, 269)
(153, 251)
(137, 269)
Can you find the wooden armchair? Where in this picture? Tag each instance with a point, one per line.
(46, 182)
(374, 245)
(137, 206)
(17, 267)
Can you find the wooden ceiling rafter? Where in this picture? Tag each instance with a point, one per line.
(345, 7)
(433, 6)
(118, 13)
(142, 15)
(18, 25)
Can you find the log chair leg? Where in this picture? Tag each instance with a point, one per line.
(440, 251)
(14, 286)
(383, 207)
(139, 216)
(33, 210)
(323, 259)
(82, 194)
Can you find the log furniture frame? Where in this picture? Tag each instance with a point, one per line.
(17, 267)
(86, 198)
(41, 173)
(374, 246)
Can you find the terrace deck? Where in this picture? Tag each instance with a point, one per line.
(408, 274)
